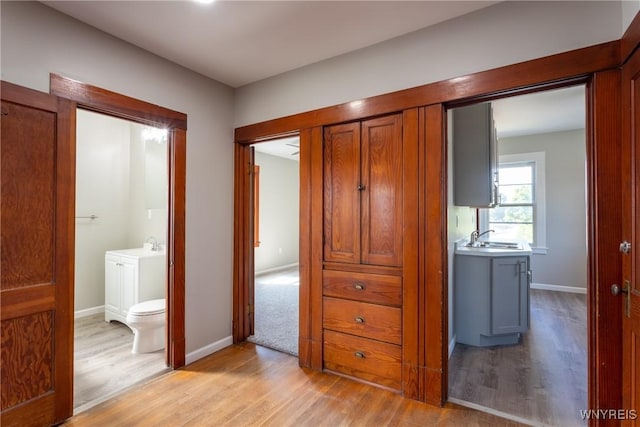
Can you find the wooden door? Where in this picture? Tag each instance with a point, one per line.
(342, 187)
(381, 188)
(630, 297)
(36, 261)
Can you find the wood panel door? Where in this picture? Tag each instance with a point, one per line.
(381, 185)
(37, 258)
(631, 233)
(342, 193)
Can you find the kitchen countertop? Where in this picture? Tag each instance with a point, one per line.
(462, 249)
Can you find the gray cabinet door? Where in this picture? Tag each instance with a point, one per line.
(509, 295)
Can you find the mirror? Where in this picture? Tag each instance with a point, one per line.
(155, 167)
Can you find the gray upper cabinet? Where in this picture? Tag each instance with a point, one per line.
(475, 157)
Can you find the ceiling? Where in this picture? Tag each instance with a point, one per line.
(239, 42)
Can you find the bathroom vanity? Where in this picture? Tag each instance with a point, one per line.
(492, 293)
(132, 276)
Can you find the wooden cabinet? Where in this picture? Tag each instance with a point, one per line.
(491, 299)
(132, 276)
(475, 156)
(363, 192)
(363, 253)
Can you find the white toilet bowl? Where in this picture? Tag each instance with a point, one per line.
(147, 320)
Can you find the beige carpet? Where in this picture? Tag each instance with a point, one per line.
(276, 310)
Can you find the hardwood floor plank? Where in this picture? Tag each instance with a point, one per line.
(543, 379)
(247, 385)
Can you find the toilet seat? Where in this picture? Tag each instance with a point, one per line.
(148, 308)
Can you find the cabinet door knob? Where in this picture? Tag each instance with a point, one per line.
(359, 355)
(361, 187)
(359, 286)
(359, 319)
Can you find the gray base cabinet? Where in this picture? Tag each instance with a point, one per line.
(491, 299)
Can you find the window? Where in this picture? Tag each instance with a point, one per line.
(513, 217)
(520, 213)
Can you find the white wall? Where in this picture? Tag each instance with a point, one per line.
(102, 189)
(461, 221)
(499, 35)
(36, 40)
(565, 263)
(110, 183)
(279, 212)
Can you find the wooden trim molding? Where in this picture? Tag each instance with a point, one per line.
(100, 100)
(426, 368)
(580, 62)
(104, 101)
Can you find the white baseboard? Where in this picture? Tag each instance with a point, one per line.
(208, 349)
(559, 288)
(281, 267)
(452, 345)
(88, 312)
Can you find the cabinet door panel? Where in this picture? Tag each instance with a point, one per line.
(112, 295)
(341, 195)
(382, 194)
(129, 285)
(509, 296)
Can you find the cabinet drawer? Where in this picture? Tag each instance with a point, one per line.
(363, 358)
(363, 319)
(375, 288)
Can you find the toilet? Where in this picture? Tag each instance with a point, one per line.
(147, 320)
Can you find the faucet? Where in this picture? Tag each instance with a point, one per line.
(154, 243)
(475, 235)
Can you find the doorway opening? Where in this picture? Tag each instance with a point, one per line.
(535, 372)
(276, 188)
(120, 254)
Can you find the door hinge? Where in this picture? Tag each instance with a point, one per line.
(249, 308)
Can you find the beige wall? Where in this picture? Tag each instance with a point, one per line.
(279, 212)
(36, 40)
(503, 34)
(565, 263)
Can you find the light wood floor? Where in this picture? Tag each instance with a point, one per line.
(543, 379)
(103, 362)
(249, 385)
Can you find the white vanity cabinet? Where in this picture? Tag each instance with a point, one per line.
(132, 276)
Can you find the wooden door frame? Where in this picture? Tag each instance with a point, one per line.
(596, 66)
(99, 100)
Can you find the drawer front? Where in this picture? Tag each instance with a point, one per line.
(375, 288)
(366, 359)
(378, 322)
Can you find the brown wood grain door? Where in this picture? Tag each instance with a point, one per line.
(36, 260)
(631, 234)
(342, 183)
(381, 181)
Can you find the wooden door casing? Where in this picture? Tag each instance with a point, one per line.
(37, 258)
(630, 232)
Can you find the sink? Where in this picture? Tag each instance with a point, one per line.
(498, 245)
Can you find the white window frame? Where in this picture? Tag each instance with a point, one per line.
(539, 207)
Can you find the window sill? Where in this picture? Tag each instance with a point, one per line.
(539, 250)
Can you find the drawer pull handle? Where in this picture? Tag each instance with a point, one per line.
(359, 319)
(359, 354)
(359, 286)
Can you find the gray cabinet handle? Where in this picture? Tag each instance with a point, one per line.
(359, 319)
(359, 355)
(359, 286)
